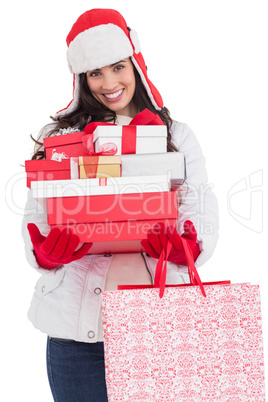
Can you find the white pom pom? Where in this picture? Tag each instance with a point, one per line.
(135, 41)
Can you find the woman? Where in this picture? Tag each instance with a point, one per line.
(110, 84)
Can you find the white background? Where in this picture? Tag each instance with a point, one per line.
(209, 60)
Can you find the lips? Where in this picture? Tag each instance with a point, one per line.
(115, 96)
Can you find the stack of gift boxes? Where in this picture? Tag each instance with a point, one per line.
(113, 194)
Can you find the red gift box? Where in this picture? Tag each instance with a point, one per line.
(43, 169)
(115, 237)
(64, 146)
(112, 208)
(115, 223)
(115, 215)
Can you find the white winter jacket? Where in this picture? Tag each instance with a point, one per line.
(67, 300)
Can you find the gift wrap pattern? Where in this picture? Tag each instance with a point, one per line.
(184, 347)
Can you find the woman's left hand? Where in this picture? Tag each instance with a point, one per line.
(157, 240)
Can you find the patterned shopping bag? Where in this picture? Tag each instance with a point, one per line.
(185, 343)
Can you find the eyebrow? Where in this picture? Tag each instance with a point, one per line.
(114, 64)
(111, 65)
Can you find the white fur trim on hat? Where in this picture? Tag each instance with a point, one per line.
(98, 47)
(135, 41)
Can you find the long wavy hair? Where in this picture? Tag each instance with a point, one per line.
(90, 110)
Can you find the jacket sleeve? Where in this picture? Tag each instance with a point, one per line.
(33, 213)
(197, 200)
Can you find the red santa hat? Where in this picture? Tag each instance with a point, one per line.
(101, 37)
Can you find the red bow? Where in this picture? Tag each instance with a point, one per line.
(144, 118)
(106, 149)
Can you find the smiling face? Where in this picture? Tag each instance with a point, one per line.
(114, 87)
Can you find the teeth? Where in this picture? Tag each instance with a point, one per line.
(114, 95)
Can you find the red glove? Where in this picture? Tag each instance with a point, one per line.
(57, 248)
(158, 236)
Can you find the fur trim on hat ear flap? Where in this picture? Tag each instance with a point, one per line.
(135, 40)
(73, 105)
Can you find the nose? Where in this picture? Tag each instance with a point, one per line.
(109, 82)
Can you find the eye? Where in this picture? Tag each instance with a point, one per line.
(119, 67)
(93, 73)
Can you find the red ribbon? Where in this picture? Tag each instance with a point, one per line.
(129, 135)
(103, 181)
(106, 149)
(144, 118)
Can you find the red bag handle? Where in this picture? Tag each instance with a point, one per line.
(161, 269)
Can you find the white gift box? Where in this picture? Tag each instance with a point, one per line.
(99, 186)
(149, 139)
(171, 163)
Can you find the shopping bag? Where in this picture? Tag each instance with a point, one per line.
(187, 343)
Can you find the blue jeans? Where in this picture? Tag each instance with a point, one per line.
(76, 371)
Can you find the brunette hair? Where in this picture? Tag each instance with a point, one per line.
(90, 110)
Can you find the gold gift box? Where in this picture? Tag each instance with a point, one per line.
(99, 166)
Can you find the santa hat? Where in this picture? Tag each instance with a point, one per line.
(101, 37)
